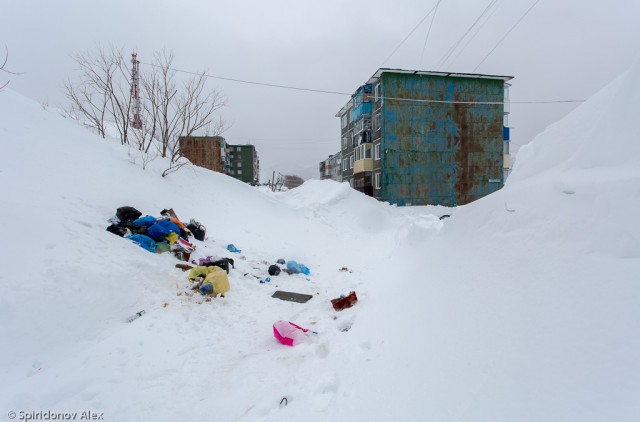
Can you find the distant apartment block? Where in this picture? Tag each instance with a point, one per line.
(418, 137)
(331, 168)
(244, 163)
(206, 151)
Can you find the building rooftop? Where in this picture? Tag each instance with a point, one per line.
(382, 70)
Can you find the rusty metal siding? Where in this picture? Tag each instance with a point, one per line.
(440, 153)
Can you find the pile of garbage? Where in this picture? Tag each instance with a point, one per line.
(209, 276)
(157, 234)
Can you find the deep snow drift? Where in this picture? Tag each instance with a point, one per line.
(521, 306)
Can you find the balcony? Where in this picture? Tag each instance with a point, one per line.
(366, 164)
(361, 110)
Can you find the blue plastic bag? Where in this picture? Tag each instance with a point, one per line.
(162, 228)
(295, 267)
(143, 241)
(232, 248)
(145, 221)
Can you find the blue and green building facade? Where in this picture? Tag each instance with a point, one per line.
(426, 138)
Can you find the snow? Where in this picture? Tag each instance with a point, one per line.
(520, 306)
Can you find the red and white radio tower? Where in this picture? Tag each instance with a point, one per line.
(136, 122)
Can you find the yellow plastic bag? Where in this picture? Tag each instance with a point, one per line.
(172, 238)
(218, 278)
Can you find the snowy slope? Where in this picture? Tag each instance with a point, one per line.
(521, 306)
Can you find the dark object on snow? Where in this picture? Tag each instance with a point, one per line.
(442, 217)
(344, 302)
(169, 213)
(274, 270)
(281, 261)
(120, 231)
(184, 267)
(291, 297)
(198, 230)
(221, 263)
(127, 214)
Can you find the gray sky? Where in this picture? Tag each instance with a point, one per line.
(563, 49)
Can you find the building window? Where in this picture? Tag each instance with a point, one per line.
(231, 171)
(351, 162)
(238, 149)
(239, 165)
(343, 120)
(377, 151)
(239, 172)
(377, 180)
(344, 165)
(376, 122)
(377, 91)
(345, 140)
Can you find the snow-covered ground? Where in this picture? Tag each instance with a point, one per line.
(523, 306)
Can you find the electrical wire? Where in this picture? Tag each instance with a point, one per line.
(428, 32)
(250, 82)
(321, 91)
(508, 32)
(410, 33)
(475, 34)
(455, 45)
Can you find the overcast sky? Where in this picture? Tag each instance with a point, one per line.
(561, 50)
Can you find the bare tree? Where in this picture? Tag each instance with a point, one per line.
(176, 110)
(3, 68)
(170, 107)
(102, 94)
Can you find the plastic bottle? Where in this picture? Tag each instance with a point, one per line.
(136, 316)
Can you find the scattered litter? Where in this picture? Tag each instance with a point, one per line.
(442, 217)
(344, 302)
(281, 261)
(210, 280)
(232, 248)
(285, 401)
(291, 296)
(274, 270)
(345, 270)
(184, 267)
(165, 305)
(199, 231)
(136, 316)
(289, 333)
(294, 267)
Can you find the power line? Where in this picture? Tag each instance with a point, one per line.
(428, 32)
(455, 45)
(321, 91)
(475, 34)
(508, 32)
(410, 33)
(251, 82)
